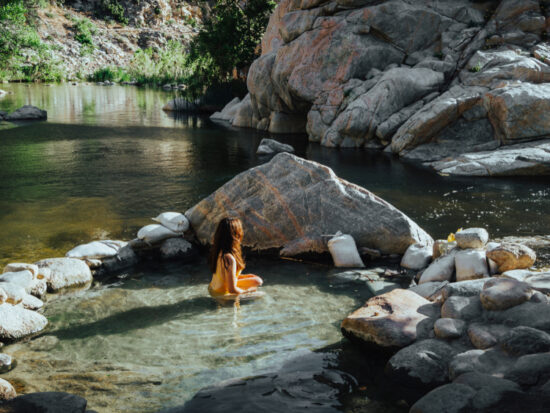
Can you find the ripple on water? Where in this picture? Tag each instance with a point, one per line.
(157, 339)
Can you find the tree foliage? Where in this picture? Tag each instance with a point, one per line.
(228, 40)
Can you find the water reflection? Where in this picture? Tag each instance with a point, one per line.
(116, 147)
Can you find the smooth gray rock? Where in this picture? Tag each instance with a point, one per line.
(539, 282)
(449, 328)
(531, 158)
(472, 238)
(464, 288)
(491, 392)
(417, 257)
(66, 273)
(125, 258)
(177, 248)
(471, 265)
(296, 203)
(46, 402)
(18, 322)
(442, 269)
(430, 290)
(518, 275)
(228, 112)
(520, 341)
(502, 293)
(271, 147)
(530, 370)
(463, 308)
(392, 320)
(529, 314)
(422, 365)
(484, 335)
(27, 112)
(490, 361)
(449, 398)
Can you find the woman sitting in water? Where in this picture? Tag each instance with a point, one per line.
(226, 261)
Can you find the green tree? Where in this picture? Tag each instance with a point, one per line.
(228, 40)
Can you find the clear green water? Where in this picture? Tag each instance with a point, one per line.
(106, 161)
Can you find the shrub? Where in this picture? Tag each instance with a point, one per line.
(115, 10)
(84, 30)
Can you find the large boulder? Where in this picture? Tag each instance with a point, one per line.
(18, 322)
(290, 204)
(66, 273)
(503, 293)
(27, 112)
(392, 320)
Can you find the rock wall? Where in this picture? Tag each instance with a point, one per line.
(424, 79)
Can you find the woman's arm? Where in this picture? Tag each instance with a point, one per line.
(230, 274)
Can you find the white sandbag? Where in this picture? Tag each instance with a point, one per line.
(94, 249)
(19, 266)
(174, 221)
(344, 251)
(155, 233)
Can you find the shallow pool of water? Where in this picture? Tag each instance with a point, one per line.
(154, 337)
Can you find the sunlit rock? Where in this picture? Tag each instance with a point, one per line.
(66, 273)
(392, 320)
(16, 322)
(290, 204)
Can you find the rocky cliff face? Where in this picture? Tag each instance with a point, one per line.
(427, 80)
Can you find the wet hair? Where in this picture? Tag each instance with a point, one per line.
(227, 240)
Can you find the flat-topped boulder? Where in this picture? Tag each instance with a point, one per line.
(27, 112)
(66, 273)
(291, 204)
(392, 320)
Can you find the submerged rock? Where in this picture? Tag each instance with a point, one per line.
(17, 322)
(5, 363)
(47, 402)
(392, 320)
(27, 112)
(291, 204)
(272, 147)
(66, 273)
(177, 248)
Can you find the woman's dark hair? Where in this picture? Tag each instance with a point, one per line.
(227, 239)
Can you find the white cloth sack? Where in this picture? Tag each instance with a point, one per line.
(155, 233)
(344, 251)
(174, 221)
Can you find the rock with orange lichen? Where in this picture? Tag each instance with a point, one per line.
(290, 205)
